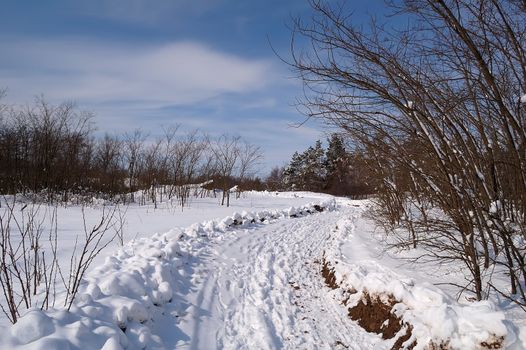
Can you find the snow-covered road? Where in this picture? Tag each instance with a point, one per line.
(261, 288)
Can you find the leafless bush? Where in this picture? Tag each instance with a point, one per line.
(437, 108)
(29, 246)
(95, 239)
(51, 151)
(27, 274)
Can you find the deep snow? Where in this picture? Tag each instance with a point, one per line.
(241, 282)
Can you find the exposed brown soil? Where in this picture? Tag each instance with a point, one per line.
(328, 273)
(441, 346)
(398, 345)
(374, 315)
(493, 343)
(371, 313)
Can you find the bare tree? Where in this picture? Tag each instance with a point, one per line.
(436, 107)
(249, 158)
(133, 144)
(170, 133)
(274, 181)
(155, 169)
(108, 159)
(49, 152)
(226, 153)
(189, 151)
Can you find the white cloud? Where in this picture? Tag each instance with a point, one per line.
(145, 86)
(171, 74)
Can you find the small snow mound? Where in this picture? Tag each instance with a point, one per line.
(34, 325)
(112, 344)
(291, 212)
(123, 283)
(195, 230)
(172, 249)
(138, 335)
(83, 299)
(163, 294)
(224, 224)
(209, 226)
(152, 253)
(51, 344)
(93, 290)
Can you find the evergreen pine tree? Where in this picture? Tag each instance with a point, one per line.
(314, 172)
(337, 165)
(292, 174)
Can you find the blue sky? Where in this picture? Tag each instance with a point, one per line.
(203, 64)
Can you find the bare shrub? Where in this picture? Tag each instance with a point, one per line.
(29, 265)
(437, 109)
(27, 274)
(95, 239)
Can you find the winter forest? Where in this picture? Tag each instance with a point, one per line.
(402, 227)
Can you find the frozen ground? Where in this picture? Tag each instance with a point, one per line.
(252, 281)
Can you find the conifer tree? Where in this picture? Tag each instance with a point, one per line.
(314, 172)
(292, 173)
(336, 165)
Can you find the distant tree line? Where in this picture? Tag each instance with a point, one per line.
(333, 170)
(52, 149)
(436, 103)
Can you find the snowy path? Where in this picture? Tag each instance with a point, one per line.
(261, 289)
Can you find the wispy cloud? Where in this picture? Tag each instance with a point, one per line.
(145, 86)
(170, 74)
(141, 64)
(143, 11)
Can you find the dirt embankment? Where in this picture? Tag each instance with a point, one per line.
(375, 313)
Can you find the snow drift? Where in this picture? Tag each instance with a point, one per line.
(119, 302)
(427, 317)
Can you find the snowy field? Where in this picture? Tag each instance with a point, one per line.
(250, 277)
(137, 221)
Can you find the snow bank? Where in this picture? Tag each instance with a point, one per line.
(246, 219)
(290, 194)
(118, 303)
(434, 317)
